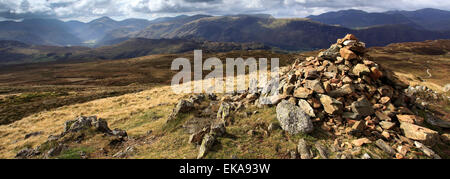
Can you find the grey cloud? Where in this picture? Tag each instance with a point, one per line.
(88, 9)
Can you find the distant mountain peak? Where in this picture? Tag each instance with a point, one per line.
(103, 19)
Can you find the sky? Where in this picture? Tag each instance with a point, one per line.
(86, 10)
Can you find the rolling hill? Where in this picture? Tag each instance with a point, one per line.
(288, 34)
(14, 52)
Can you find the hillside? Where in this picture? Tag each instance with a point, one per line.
(251, 132)
(429, 19)
(359, 19)
(13, 52)
(288, 34)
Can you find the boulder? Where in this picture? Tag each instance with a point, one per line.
(224, 110)
(101, 125)
(293, 119)
(207, 143)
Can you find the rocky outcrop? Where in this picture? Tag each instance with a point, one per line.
(293, 119)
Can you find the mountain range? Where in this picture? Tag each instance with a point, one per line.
(296, 34)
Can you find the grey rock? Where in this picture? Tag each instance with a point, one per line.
(218, 129)
(293, 119)
(322, 150)
(224, 110)
(207, 143)
(119, 132)
(101, 125)
(385, 147)
(426, 150)
(304, 149)
(27, 153)
(330, 54)
(33, 134)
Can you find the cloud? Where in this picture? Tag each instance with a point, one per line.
(88, 9)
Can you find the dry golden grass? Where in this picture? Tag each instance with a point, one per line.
(116, 110)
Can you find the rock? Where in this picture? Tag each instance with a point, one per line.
(427, 151)
(218, 129)
(344, 90)
(362, 107)
(224, 110)
(314, 85)
(387, 125)
(445, 138)
(197, 138)
(350, 37)
(437, 122)
(382, 116)
(385, 100)
(303, 93)
(78, 124)
(119, 133)
(385, 147)
(275, 99)
(358, 126)
(413, 119)
(211, 96)
(331, 105)
(375, 73)
(312, 74)
(289, 89)
(293, 119)
(304, 105)
(366, 156)
(361, 69)
(33, 134)
(322, 151)
(419, 133)
(330, 54)
(183, 106)
(347, 54)
(350, 115)
(128, 151)
(27, 153)
(56, 150)
(304, 149)
(207, 143)
(101, 125)
(360, 142)
(402, 149)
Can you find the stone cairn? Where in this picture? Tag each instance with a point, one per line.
(345, 94)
